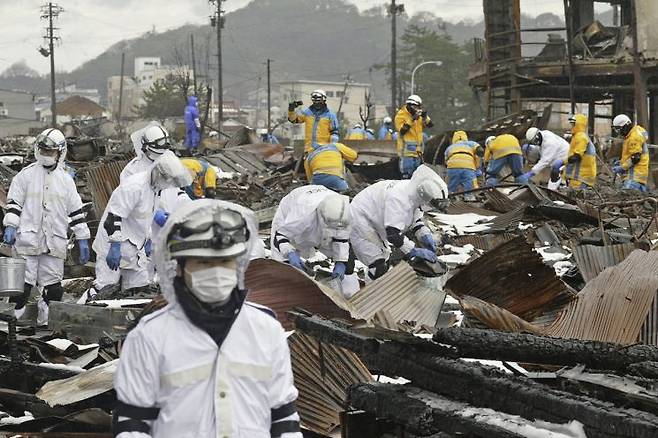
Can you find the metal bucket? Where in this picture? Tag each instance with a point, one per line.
(12, 276)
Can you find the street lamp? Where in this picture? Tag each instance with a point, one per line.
(413, 73)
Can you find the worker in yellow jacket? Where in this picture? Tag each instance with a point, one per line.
(634, 163)
(204, 183)
(325, 165)
(356, 133)
(580, 171)
(463, 163)
(410, 121)
(321, 125)
(503, 150)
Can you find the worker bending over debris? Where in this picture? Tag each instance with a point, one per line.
(356, 133)
(320, 124)
(503, 151)
(204, 178)
(384, 212)
(387, 131)
(313, 218)
(463, 163)
(192, 125)
(267, 137)
(410, 121)
(370, 134)
(122, 243)
(149, 143)
(42, 203)
(634, 164)
(545, 149)
(580, 170)
(325, 165)
(210, 364)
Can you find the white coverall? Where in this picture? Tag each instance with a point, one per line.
(299, 227)
(195, 388)
(553, 148)
(133, 201)
(42, 205)
(393, 203)
(141, 163)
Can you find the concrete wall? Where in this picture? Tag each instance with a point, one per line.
(18, 105)
(647, 17)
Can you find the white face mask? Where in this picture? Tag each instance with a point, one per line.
(46, 160)
(213, 285)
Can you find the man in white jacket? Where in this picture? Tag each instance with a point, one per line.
(210, 364)
(551, 150)
(149, 144)
(42, 203)
(122, 243)
(385, 211)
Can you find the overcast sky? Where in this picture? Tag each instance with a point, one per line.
(88, 27)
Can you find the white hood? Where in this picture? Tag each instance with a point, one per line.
(167, 267)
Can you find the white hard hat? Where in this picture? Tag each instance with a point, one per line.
(51, 139)
(261, 131)
(414, 100)
(169, 172)
(387, 119)
(155, 139)
(531, 133)
(621, 120)
(489, 140)
(430, 187)
(218, 232)
(334, 211)
(357, 126)
(318, 95)
(370, 131)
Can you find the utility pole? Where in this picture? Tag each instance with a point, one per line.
(193, 63)
(49, 12)
(394, 11)
(123, 60)
(269, 97)
(218, 22)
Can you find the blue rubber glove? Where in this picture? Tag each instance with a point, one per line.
(528, 175)
(478, 173)
(295, 260)
(83, 245)
(160, 217)
(618, 170)
(148, 248)
(428, 242)
(9, 236)
(113, 258)
(339, 270)
(424, 254)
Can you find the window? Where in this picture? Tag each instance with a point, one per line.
(345, 99)
(330, 94)
(340, 93)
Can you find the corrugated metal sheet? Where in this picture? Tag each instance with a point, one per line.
(614, 306)
(592, 260)
(495, 317)
(461, 207)
(514, 277)
(500, 202)
(649, 332)
(323, 372)
(399, 295)
(509, 221)
(102, 180)
(485, 242)
(239, 161)
(281, 287)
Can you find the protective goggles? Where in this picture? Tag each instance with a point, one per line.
(227, 227)
(158, 143)
(45, 142)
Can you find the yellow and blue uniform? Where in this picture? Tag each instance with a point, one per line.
(580, 171)
(410, 144)
(320, 126)
(204, 178)
(325, 165)
(504, 150)
(357, 133)
(462, 162)
(635, 159)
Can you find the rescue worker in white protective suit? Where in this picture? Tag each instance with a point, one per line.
(545, 149)
(42, 203)
(122, 243)
(210, 364)
(311, 218)
(383, 212)
(149, 143)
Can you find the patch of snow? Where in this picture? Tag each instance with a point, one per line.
(549, 254)
(523, 427)
(463, 254)
(61, 366)
(523, 226)
(562, 267)
(558, 202)
(463, 223)
(451, 299)
(492, 363)
(385, 379)
(8, 419)
(63, 344)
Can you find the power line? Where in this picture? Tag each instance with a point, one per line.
(50, 12)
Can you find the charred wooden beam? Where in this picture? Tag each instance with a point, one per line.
(522, 347)
(29, 377)
(482, 386)
(647, 369)
(420, 412)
